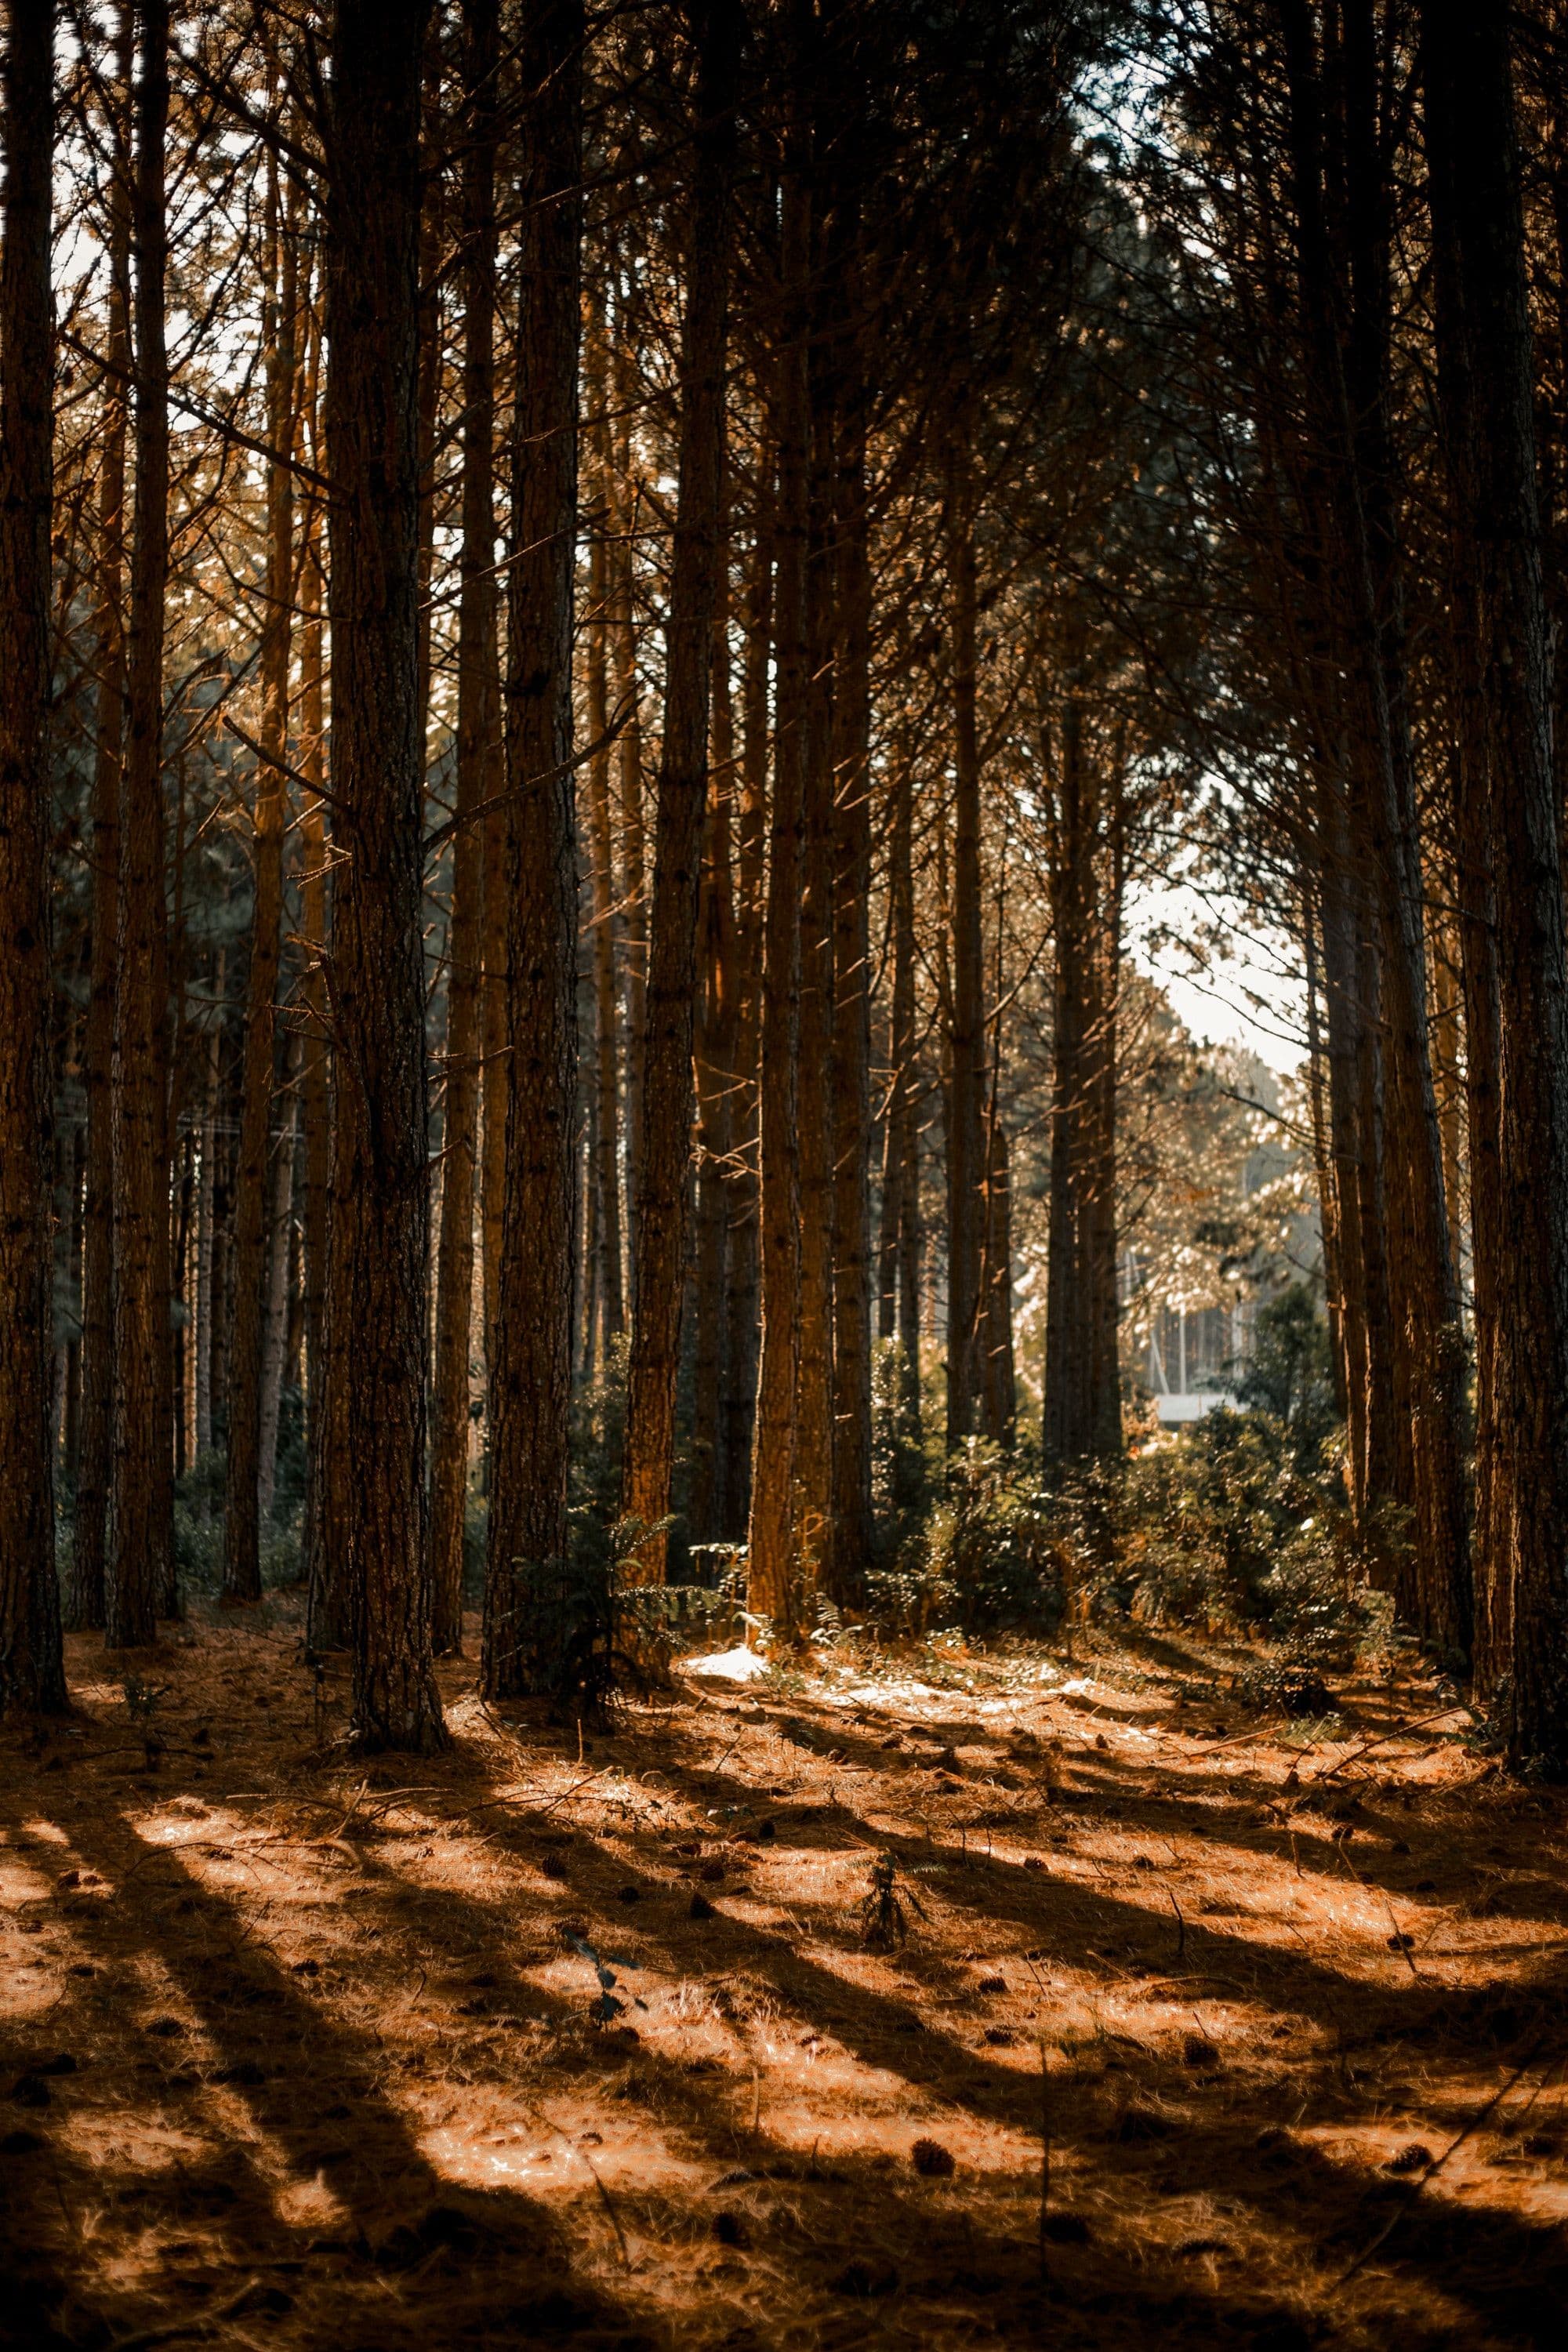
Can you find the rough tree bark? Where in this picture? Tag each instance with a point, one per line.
(1064, 1435)
(900, 1232)
(814, 1433)
(32, 1674)
(379, 1236)
(1342, 1017)
(997, 1369)
(478, 729)
(1344, 299)
(84, 1602)
(623, 618)
(607, 1179)
(665, 1136)
(246, 1470)
(207, 1190)
(850, 1553)
(315, 1069)
(740, 1327)
(1082, 1415)
(532, 1376)
(715, 1055)
(770, 1559)
(275, 1320)
(1484, 327)
(1104, 1411)
(966, 1133)
(141, 1512)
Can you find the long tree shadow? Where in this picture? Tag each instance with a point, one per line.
(410, 2259)
(1048, 1907)
(1467, 2257)
(1214, 1809)
(941, 2259)
(1069, 1918)
(406, 2248)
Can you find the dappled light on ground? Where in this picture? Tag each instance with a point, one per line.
(723, 2025)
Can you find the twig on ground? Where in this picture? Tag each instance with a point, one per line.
(1402, 1732)
(566, 1795)
(605, 2199)
(145, 2338)
(1436, 2167)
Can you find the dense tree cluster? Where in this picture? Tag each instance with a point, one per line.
(601, 614)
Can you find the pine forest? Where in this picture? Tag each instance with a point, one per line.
(784, 1174)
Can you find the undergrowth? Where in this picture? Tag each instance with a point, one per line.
(1238, 1524)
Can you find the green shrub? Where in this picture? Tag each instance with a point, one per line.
(985, 1560)
(1237, 1523)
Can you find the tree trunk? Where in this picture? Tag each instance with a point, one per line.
(1345, 1144)
(207, 1202)
(74, 1175)
(814, 1431)
(586, 1264)
(601, 848)
(1382, 1472)
(1104, 1411)
(994, 1349)
(495, 1080)
(530, 1389)
(430, 356)
(242, 1513)
(85, 1587)
(142, 1496)
(629, 762)
(478, 723)
(999, 1397)
(1329, 1203)
(1064, 1433)
(378, 1241)
(223, 1173)
(851, 1549)
(1448, 1075)
(32, 1673)
(740, 1332)
(1000, 1391)
(966, 1137)
(315, 1069)
(771, 1561)
(275, 1322)
(186, 1289)
(1485, 338)
(900, 1181)
(1352, 390)
(665, 1140)
(715, 1108)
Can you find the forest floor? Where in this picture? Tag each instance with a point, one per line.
(303, 2051)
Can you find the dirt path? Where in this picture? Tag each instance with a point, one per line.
(305, 2052)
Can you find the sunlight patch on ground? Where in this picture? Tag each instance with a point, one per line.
(556, 2166)
(739, 1666)
(47, 1833)
(311, 2205)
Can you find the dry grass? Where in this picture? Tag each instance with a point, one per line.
(301, 2051)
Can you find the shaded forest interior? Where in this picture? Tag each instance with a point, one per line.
(661, 1419)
